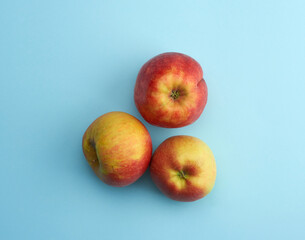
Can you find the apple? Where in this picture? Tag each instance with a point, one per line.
(183, 168)
(118, 148)
(170, 90)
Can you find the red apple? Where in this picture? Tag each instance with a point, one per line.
(118, 148)
(170, 90)
(183, 168)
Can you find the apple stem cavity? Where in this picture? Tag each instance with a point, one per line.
(181, 174)
(175, 94)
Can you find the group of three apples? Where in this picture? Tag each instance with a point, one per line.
(170, 92)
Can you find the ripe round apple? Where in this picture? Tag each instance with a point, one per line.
(183, 168)
(170, 90)
(118, 148)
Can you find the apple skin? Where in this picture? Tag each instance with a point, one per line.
(183, 168)
(118, 148)
(170, 90)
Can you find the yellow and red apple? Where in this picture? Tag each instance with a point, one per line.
(170, 90)
(118, 148)
(183, 168)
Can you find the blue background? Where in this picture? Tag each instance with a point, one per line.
(64, 63)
